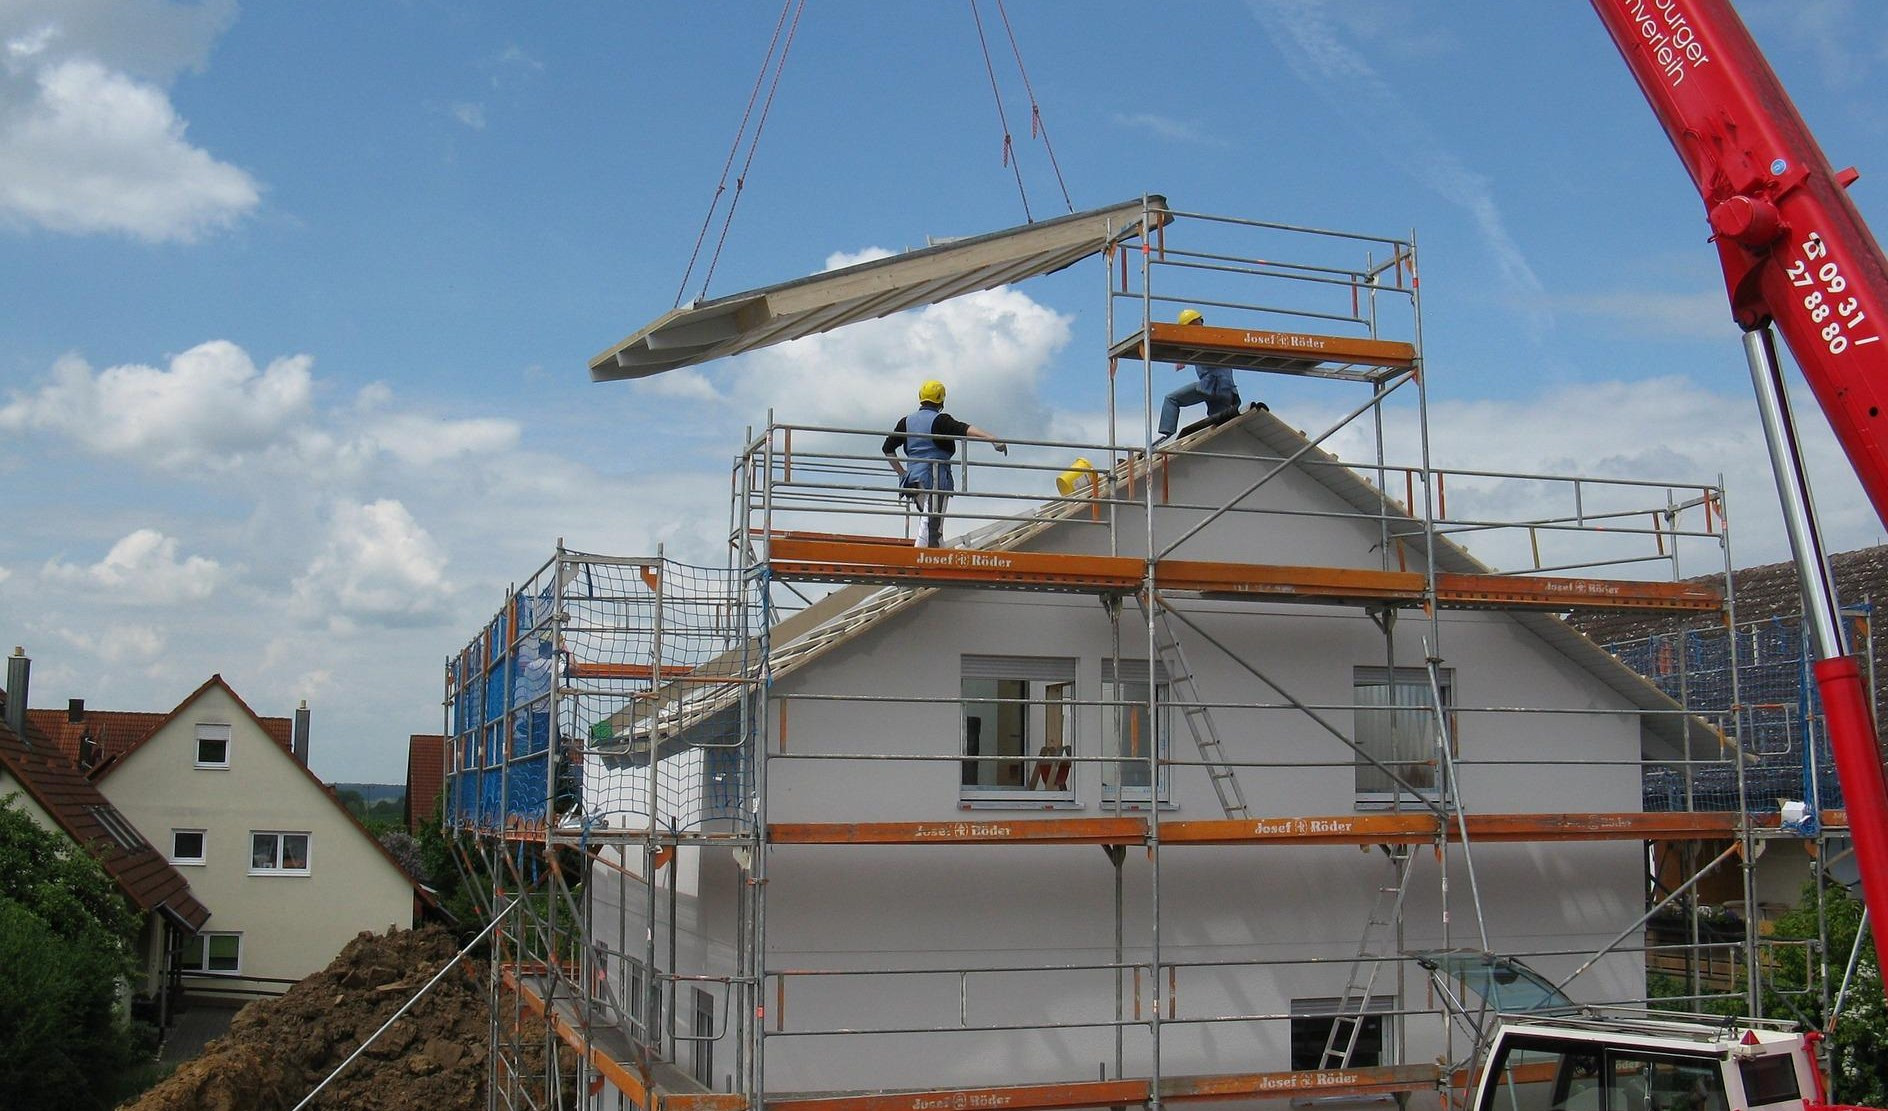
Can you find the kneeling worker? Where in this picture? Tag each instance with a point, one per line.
(1215, 387)
(925, 475)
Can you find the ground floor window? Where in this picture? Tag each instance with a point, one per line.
(1133, 729)
(1315, 1028)
(216, 954)
(1018, 726)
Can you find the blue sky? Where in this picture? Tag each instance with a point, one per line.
(300, 296)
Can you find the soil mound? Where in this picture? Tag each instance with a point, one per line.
(277, 1050)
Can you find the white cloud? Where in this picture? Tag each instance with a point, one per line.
(143, 569)
(469, 114)
(1655, 314)
(686, 384)
(426, 441)
(990, 349)
(839, 260)
(1668, 429)
(118, 644)
(378, 565)
(1317, 53)
(86, 149)
(209, 408)
(1166, 127)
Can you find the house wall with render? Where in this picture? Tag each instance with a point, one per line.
(999, 906)
(291, 921)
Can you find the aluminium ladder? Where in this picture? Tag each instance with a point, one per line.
(1198, 716)
(1354, 1007)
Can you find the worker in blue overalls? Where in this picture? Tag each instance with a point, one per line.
(929, 438)
(1215, 387)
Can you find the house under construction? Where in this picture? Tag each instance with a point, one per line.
(1210, 770)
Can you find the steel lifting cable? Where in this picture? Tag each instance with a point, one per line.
(1002, 118)
(721, 185)
(1036, 125)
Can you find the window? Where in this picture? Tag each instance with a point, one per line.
(1544, 1074)
(122, 831)
(212, 746)
(704, 1029)
(1315, 1028)
(1019, 727)
(186, 846)
(285, 853)
(1768, 1079)
(1396, 724)
(213, 954)
(1129, 733)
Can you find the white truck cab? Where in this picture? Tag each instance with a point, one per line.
(1647, 1064)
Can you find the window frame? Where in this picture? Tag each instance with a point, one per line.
(203, 847)
(702, 1027)
(1045, 774)
(280, 853)
(1324, 1011)
(1116, 674)
(204, 939)
(207, 731)
(1395, 679)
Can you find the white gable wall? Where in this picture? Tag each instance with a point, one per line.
(291, 925)
(991, 906)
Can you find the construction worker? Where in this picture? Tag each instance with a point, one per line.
(929, 439)
(1215, 387)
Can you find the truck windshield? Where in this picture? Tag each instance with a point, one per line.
(1552, 1075)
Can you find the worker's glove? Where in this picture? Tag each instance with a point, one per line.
(1002, 449)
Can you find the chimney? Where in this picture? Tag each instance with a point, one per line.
(19, 672)
(300, 744)
(75, 710)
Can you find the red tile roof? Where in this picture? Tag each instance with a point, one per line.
(117, 732)
(62, 791)
(425, 776)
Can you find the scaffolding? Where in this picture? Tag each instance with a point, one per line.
(637, 752)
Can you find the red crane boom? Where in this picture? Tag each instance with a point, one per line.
(1796, 254)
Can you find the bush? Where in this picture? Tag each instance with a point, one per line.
(64, 949)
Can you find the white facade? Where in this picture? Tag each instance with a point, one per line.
(997, 908)
(288, 875)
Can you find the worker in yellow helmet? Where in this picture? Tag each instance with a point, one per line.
(1215, 387)
(929, 438)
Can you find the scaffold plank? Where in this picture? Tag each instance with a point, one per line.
(1541, 592)
(1405, 828)
(1132, 1091)
(1040, 831)
(1268, 349)
(797, 559)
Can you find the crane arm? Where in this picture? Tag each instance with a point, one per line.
(1795, 254)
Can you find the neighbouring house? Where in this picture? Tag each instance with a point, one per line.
(1003, 962)
(228, 796)
(1754, 675)
(425, 777)
(52, 790)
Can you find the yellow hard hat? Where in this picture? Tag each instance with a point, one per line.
(1189, 316)
(932, 391)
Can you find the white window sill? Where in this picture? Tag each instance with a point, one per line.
(280, 872)
(1020, 800)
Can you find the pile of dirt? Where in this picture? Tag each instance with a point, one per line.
(278, 1050)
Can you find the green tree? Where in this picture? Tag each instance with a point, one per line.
(66, 940)
(1858, 1044)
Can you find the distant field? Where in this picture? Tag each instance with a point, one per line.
(374, 792)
